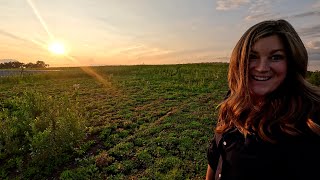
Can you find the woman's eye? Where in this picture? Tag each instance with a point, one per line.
(277, 57)
(253, 57)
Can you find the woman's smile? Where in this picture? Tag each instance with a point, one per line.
(261, 78)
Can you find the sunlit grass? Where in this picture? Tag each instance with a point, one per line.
(146, 120)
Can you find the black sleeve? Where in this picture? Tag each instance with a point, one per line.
(316, 117)
(213, 154)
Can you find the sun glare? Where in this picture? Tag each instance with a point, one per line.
(57, 48)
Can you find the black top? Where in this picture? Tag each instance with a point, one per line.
(251, 158)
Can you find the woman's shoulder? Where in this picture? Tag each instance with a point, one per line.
(221, 137)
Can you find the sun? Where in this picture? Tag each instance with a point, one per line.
(57, 48)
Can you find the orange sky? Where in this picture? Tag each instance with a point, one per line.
(114, 32)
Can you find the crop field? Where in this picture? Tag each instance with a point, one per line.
(112, 122)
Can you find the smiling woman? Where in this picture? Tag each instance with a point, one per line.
(269, 123)
(57, 48)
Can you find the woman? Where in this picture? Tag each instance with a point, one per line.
(268, 126)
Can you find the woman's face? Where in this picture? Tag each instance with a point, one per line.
(267, 65)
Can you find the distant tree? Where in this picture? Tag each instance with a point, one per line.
(29, 65)
(17, 64)
(11, 64)
(41, 64)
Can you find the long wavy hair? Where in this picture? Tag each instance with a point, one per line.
(290, 109)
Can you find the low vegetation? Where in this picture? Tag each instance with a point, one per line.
(114, 122)
(314, 77)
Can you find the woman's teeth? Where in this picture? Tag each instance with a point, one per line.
(261, 78)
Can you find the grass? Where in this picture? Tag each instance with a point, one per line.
(142, 122)
(113, 122)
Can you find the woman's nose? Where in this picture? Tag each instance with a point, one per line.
(263, 65)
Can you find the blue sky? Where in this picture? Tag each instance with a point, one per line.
(121, 32)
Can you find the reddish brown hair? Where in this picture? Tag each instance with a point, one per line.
(289, 107)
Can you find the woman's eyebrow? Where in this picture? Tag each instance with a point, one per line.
(272, 51)
(253, 52)
(276, 50)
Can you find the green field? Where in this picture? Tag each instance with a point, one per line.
(113, 122)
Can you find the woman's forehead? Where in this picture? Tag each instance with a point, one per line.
(269, 43)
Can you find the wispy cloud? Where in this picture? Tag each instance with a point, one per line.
(313, 31)
(264, 9)
(258, 16)
(259, 6)
(186, 56)
(313, 48)
(145, 51)
(304, 14)
(225, 5)
(33, 42)
(152, 52)
(313, 44)
(316, 5)
(108, 25)
(10, 35)
(260, 9)
(138, 51)
(130, 49)
(314, 54)
(269, 15)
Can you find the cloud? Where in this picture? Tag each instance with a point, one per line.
(148, 52)
(130, 49)
(31, 43)
(4, 33)
(316, 5)
(304, 14)
(108, 25)
(313, 44)
(313, 31)
(313, 48)
(269, 15)
(185, 56)
(259, 9)
(314, 54)
(138, 51)
(258, 16)
(263, 9)
(225, 5)
(259, 6)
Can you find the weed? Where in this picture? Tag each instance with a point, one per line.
(38, 131)
(103, 159)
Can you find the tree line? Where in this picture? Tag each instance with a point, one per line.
(17, 64)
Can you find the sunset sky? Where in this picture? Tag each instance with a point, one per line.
(129, 32)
